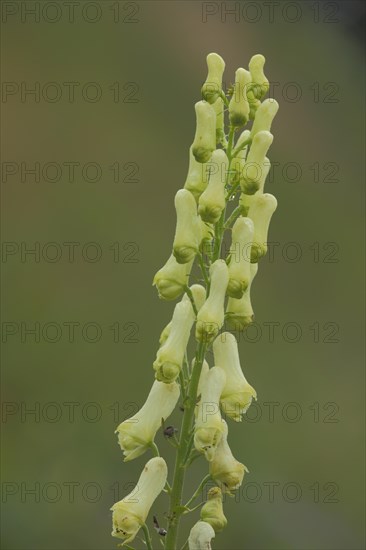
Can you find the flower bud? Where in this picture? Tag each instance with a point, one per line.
(169, 358)
(208, 426)
(254, 167)
(239, 105)
(260, 84)
(260, 212)
(130, 513)
(172, 279)
(239, 267)
(212, 201)
(237, 394)
(188, 230)
(219, 110)
(137, 433)
(246, 200)
(204, 370)
(211, 316)
(239, 313)
(264, 116)
(227, 472)
(212, 511)
(200, 536)
(212, 88)
(205, 138)
(199, 297)
(197, 177)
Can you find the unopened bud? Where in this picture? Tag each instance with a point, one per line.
(239, 105)
(197, 177)
(212, 87)
(237, 394)
(261, 212)
(208, 426)
(211, 316)
(172, 279)
(260, 84)
(212, 201)
(264, 116)
(205, 138)
(254, 167)
(188, 230)
(212, 510)
(239, 266)
(169, 358)
(239, 313)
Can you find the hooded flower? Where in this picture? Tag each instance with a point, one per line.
(245, 200)
(264, 116)
(237, 394)
(212, 511)
(169, 358)
(130, 513)
(252, 174)
(172, 279)
(239, 313)
(227, 472)
(188, 230)
(205, 137)
(212, 201)
(199, 297)
(260, 84)
(211, 316)
(197, 177)
(239, 105)
(137, 433)
(239, 267)
(200, 536)
(208, 426)
(212, 87)
(260, 211)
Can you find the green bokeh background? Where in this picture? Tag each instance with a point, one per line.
(164, 52)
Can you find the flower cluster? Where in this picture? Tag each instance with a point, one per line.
(222, 167)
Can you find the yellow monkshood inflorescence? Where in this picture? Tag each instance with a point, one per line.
(223, 195)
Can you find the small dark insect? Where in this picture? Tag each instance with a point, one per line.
(169, 431)
(158, 529)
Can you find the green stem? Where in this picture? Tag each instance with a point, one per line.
(154, 448)
(233, 216)
(191, 297)
(146, 531)
(175, 511)
(198, 490)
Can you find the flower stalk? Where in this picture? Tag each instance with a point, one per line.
(220, 167)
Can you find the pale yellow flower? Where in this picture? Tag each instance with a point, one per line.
(204, 142)
(197, 177)
(170, 355)
(239, 105)
(227, 472)
(211, 316)
(245, 200)
(200, 536)
(260, 212)
(212, 511)
(188, 229)
(213, 84)
(239, 312)
(130, 513)
(264, 116)
(237, 394)
(239, 266)
(208, 426)
(212, 201)
(252, 173)
(260, 82)
(136, 434)
(172, 279)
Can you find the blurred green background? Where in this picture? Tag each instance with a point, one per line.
(304, 441)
